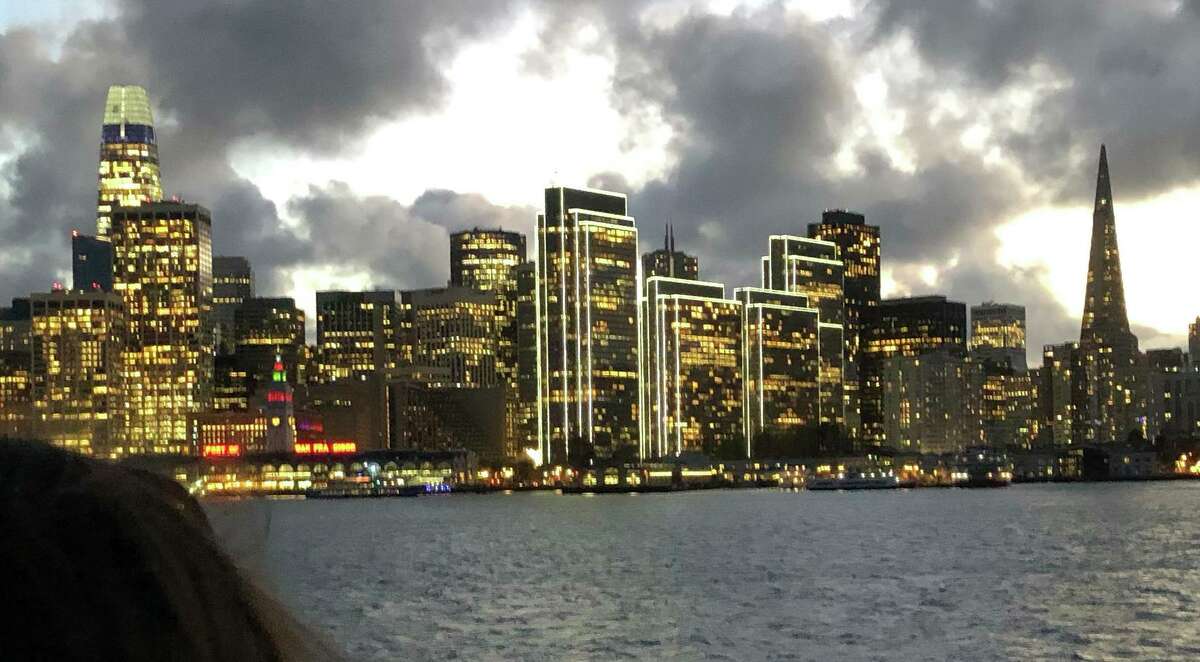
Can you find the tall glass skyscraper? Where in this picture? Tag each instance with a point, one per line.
(587, 303)
(129, 173)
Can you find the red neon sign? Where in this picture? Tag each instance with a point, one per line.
(221, 450)
(324, 447)
(279, 396)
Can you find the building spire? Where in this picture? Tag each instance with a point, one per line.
(1104, 306)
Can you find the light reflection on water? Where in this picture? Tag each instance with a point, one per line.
(1031, 571)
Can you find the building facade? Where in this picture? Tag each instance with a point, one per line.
(781, 362)
(930, 402)
(998, 334)
(669, 262)
(233, 283)
(77, 385)
(162, 269)
(587, 302)
(129, 173)
(91, 263)
(905, 327)
(1116, 383)
(267, 330)
(456, 328)
(358, 333)
(693, 357)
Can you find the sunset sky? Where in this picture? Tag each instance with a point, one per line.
(338, 144)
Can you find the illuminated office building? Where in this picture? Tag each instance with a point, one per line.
(587, 300)
(91, 263)
(1062, 390)
(998, 334)
(811, 267)
(15, 359)
(1005, 405)
(352, 409)
(930, 402)
(77, 386)
(693, 356)
(1116, 386)
(267, 330)
(129, 174)
(669, 262)
(527, 362)
(905, 327)
(233, 283)
(859, 250)
(487, 260)
(162, 268)
(781, 363)
(233, 385)
(1173, 395)
(455, 328)
(358, 333)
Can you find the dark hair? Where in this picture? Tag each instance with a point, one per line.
(102, 561)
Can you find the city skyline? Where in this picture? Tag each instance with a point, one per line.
(295, 159)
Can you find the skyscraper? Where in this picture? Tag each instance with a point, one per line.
(781, 361)
(998, 334)
(1194, 343)
(486, 260)
(455, 328)
(905, 327)
(91, 263)
(930, 402)
(267, 331)
(587, 301)
(15, 360)
(162, 268)
(358, 333)
(77, 381)
(693, 368)
(233, 283)
(1115, 371)
(669, 262)
(1062, 391)
(859, 250)
(811, 267)
(527, 361)
(129, 174)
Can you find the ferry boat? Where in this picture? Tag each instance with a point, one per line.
(858, 480)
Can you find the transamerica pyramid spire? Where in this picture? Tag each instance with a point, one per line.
(1115, 403)
(1104, 305)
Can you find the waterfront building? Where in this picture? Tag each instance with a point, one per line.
(669, 262)
(486, 260)
(811, 267)
(587, 302)
(693, 359)
(998, 334)
(279, 411)
(781, 361)
(1062, 389)
(129, 173)
(906, 327)
(358, 334)
(455, 328)
(91, 263)
(1006, 405)
(526, 432)
(266, 330)
(233, 283)
(1173, 394)
(1116, 387)
(352, 409)
(437, 418)
(77, 386)
(16, 405)
(15, 359)
(859, 250)
(930, 403)
(162, 268)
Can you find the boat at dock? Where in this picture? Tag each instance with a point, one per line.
(854, 481)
